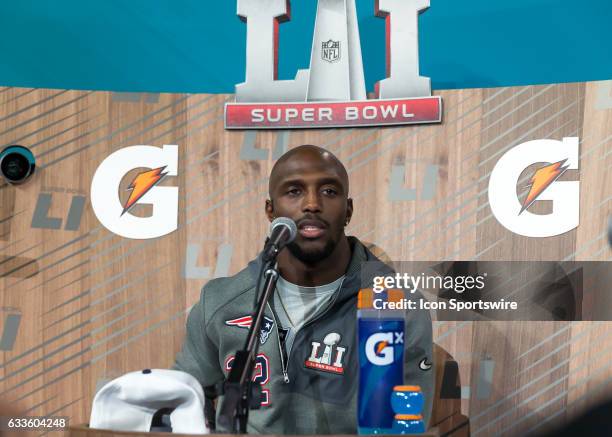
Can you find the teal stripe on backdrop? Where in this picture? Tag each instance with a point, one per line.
(198, 45)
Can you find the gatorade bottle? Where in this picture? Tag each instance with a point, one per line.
(408, 424)
(407, 402)
(381, 361)
(407, 399)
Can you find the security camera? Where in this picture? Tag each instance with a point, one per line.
(17, 164)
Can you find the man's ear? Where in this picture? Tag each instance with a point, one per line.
(349, 210)
(269, 210)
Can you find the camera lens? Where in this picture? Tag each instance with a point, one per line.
(15, 167)
(16, 164)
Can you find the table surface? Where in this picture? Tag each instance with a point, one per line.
(85, 431)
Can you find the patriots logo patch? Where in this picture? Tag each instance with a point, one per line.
(245, 322)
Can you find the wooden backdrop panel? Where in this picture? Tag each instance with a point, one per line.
(84, 305)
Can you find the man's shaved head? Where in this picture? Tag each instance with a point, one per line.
(314, 154)
(310, 186)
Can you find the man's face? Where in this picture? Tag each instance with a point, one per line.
(309, 189)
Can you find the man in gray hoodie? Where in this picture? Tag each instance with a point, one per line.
(314, 305)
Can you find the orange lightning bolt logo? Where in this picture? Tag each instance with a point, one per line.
(381, 346)
(541, 180)
(141, 184)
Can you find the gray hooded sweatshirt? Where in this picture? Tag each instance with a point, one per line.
(298, 397)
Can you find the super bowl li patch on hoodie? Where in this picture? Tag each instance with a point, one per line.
(245, 322)
(328, 358)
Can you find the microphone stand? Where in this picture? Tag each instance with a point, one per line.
(240, 393)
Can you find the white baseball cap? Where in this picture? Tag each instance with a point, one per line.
(128, 403)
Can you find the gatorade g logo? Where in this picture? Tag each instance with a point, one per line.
(379, 349)
(114, 215)
(557, 156)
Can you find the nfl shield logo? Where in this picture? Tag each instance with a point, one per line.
(330, 51)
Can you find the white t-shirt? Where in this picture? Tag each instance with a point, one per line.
(296, 305)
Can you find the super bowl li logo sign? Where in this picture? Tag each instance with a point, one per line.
(332, 93)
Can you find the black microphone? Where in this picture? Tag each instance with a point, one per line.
(282, 232)
(240, 394)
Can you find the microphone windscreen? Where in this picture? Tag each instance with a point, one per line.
(287, 222)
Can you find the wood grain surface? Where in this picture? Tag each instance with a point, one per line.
(90, 305)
